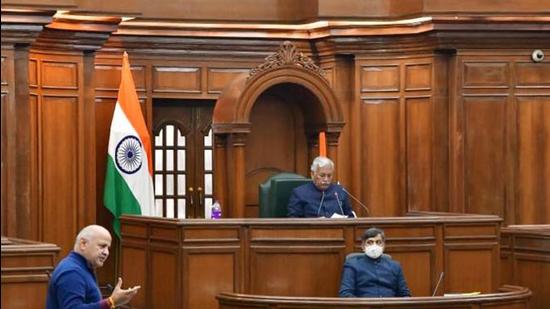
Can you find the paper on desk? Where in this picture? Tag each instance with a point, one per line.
(338, 216)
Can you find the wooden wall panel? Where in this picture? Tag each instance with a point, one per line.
(59, 75)
(463, 264)
(533, 169)
(419, 268)
(58, 120)
(533, 272)
(462, 243)
(419, 153)
(163, 283)
(176, 79)
(380, 78)
(315, 268)
(485, 154)
(402, 142)
(418, 76)
(218, 78)
(532, 75)
(207, 274)
(33, 73)
(486, 74)
(107, 77)
(211, 263)
(5, 67)
(499, 121)
(62, 123)
(136, 260)
(381, 156)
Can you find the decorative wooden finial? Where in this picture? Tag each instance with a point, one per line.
(287, 55)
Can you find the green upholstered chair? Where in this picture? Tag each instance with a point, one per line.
(275, 192)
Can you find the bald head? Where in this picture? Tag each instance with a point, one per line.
(93, 243)
(88, 233)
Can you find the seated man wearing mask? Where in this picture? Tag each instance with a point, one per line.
(320, 198)
(373, 274)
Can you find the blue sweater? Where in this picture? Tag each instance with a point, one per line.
(307, 201)
(73, 285)
(366, 277)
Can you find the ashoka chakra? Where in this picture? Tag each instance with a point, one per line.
(128, 154)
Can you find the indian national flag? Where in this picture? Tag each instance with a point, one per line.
(128, 181)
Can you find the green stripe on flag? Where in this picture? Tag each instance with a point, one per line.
(117, 196)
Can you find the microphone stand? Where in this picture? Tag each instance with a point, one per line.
(358, 201)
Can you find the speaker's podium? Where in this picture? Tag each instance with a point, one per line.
(188, 262)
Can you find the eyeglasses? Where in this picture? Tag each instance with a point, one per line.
(372, 242)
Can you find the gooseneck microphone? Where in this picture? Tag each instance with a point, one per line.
(321, 203)
(339, 202)
(357, 200)
(438, 282)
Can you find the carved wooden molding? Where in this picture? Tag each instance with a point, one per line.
(287, 55)
(23, 26)
(72, 33)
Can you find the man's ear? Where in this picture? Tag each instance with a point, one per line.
(82, 243)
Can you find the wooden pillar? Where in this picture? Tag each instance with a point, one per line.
(20, 28)
(87, 144)
(332, 150)
(238, 143)
(220, 172)
(17, 149)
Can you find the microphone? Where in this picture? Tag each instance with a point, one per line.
(357, 200)
(339, 203)
(438, 282)
(321, 203)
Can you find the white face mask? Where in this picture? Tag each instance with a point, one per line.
(374, 251)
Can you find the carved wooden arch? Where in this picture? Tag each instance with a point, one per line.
(287, 66)
(231, 118)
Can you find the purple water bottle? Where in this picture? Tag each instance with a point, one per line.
(216, 211)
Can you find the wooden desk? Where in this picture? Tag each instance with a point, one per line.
(26, 266)
(508, 297)
(525, 260)
(186, 263)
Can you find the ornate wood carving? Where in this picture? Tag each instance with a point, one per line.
(287, 55)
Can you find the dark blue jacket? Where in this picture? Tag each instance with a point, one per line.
(305, 202)
(366, 277)
(73, 285)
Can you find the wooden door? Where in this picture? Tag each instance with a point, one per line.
(183, 158)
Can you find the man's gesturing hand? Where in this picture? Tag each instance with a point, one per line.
(121, 296)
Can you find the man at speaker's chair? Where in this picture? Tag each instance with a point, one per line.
(373, 274)
(321, 197)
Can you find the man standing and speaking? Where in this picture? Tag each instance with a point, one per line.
(73, 283)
